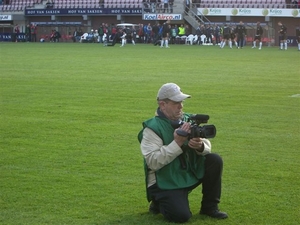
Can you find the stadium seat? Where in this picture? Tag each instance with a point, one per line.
(114, 2)
(13, 8)
(249, 39)
(6, 7)
(58, 6)
(122, 4)
(20, 8)
(76, 2)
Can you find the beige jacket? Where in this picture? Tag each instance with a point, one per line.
(158, 155)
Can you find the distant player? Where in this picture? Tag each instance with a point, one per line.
(226, 37)
(132, 32)
(165, 34)
(282, 36)
(233, 37)
(123, 38)
(104, 39)
(298, 37)
(258, 35)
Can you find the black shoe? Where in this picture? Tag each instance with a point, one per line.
(154, 208)
(215, 214)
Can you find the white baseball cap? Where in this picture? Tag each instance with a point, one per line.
(171, 91)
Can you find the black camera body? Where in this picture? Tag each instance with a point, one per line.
(206, 131)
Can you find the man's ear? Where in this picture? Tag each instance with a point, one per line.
(161, 104)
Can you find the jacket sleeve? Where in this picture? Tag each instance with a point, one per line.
(155, 153)
(207, 147)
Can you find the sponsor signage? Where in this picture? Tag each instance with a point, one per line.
(291, 41)
(5, 17)
(83, 11)
(8, 37)
(125, 11)
(249, 12)
(57, 23)
(162, 17)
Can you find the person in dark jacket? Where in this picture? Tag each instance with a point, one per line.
(241, 33)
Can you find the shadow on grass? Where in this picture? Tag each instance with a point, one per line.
(147, 218)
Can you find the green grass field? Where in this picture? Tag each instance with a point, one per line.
(70, 114)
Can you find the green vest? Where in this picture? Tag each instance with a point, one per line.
(181, 31)
(173, 176)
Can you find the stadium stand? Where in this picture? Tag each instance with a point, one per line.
(20, 5)
(243, 4)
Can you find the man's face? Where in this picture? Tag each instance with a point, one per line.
(171, 109)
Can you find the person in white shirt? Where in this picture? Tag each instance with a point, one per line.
(123, 38)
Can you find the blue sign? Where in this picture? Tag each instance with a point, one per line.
(291, 41)
(9, 36)
(83, 11)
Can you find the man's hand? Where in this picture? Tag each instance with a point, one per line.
(197, 144)
(181, 139)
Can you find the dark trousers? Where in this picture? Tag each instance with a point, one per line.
(240, 40)
(33, 37)
(174, 204)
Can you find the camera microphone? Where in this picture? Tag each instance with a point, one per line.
(202, 118)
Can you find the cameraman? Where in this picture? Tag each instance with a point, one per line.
(175, 165)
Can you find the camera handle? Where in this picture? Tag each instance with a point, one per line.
(182, 133)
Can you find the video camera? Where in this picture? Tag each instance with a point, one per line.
(206, 131)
